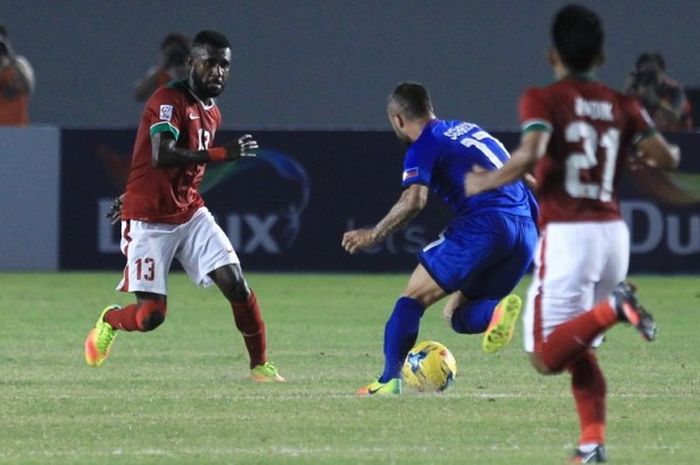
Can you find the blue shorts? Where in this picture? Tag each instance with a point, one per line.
(483, 256)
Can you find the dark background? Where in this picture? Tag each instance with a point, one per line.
(353, 179)
(312, 64)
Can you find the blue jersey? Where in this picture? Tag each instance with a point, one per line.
(446, 151)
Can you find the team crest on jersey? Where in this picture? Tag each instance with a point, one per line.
(410, 173)
(166, 112)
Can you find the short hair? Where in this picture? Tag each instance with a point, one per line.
(175, 39)
(213, 38)
(651, 57)
(578, 36)
(411, 100)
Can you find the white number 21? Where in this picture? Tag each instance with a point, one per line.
(582, 132)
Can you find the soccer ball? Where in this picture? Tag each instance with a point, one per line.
(429, 367)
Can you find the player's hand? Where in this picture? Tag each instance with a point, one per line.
(357, 239)
(475, 181)
(530, 181)
(243, 147)
(115, 210)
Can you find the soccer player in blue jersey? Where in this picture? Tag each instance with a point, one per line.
(478, 259)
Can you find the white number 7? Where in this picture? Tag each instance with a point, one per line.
(580, 131)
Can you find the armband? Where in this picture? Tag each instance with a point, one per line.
(216, 154)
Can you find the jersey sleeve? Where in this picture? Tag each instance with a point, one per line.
(534, 112)
(418, 167)
(164, 112)
(641, 124)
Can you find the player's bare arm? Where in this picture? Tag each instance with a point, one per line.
(656, 151)
(165, 153)
(411, 202)
(532, 146)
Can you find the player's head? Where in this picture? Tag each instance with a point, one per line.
(408, 103)
(175, 49)
(209, 63)
(577, 34)
(649, 68)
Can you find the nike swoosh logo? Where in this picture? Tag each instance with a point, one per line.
(371, 391)
(193, 116)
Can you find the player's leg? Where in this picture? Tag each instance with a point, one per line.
(145, 315)
(569, 261)
(563, 336)
(209, 258)
(149, 249)
(589, 389)
(401, 330)
(248, 319)
(488, 306)
(576, 323)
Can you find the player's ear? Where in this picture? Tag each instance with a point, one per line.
(553, 57)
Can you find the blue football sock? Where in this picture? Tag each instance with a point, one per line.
(473, 317)
(400, 335)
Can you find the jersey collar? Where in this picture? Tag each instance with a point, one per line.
(588, 76)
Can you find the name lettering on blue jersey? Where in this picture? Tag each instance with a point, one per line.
(459, 130)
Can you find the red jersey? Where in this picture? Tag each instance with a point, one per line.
(170, 194)
(14, 110)
(592, 130)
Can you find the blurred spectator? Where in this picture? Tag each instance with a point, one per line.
(174, 51)
(16, 83)
(663, 97)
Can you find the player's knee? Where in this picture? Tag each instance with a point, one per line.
(150, 316)
(236, 290)
(463, 326)
(239, 292)
(465, 320)
(232, 284)
(540, 366)
(151, 321)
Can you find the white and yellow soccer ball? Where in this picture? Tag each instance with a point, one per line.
(429, 367)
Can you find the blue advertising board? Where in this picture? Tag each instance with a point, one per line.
(287, 209)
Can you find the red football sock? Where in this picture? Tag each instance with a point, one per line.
(588, 386)
(143, 316)
(251, 325)
(568, 340)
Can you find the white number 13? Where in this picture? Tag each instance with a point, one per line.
(582, 132)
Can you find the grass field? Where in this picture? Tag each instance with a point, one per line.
(180, 395)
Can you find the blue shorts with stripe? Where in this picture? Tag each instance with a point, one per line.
(483, 255)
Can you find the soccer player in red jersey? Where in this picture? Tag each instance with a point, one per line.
(577, 134)
(163, 215)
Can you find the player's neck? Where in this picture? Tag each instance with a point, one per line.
(415, 128)
(562, 72)
(206, 101)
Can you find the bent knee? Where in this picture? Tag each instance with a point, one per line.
(541, 367)
(150, 316)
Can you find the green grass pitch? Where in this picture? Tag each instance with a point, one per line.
(180, 395)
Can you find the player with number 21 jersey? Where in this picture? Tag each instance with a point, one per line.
(592, 130)
(577, 135)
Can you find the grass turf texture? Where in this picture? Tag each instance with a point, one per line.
(180, 395)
